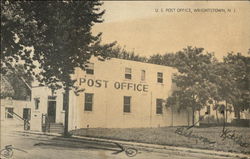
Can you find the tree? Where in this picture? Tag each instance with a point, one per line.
(231, 78)
(18, 32)
(59, 33)
(122, 53)
(156, 59)
(220, 75)
(194, 88)
(240, 81)
(167, 59)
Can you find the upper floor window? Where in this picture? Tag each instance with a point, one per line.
(90, 68)
(126, 104)
(159, 77)
(143, 75)
(88, 104)
(37, 103)
(9, 113)
(128, 73)
(159, 103)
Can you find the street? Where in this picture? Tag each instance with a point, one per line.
(35, 146)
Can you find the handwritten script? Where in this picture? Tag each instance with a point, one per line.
(231, 134)
(225, 134)
(130, 152)
(8, 152)
(189, 133)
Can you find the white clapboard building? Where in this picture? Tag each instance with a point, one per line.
(117, 94)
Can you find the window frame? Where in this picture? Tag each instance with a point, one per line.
(159, 107)
(128, 73)
(127, 106)
(89, 68)
(86, 107)
(7, 115)
(37, 103)
(159, 77)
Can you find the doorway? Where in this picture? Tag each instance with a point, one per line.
(52, 111)
(26, 113)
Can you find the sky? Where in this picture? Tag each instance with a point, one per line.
(150, 27)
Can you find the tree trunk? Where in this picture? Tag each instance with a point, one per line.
(238, 114)
(199, 119)
(193, 115)
(66, 119)
(224, 122)
(216, 111)
(217, 119)
(226, 112)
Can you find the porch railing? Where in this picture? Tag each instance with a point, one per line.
(45, 123)
(26, 122)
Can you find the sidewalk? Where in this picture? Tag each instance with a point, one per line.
(144, 146)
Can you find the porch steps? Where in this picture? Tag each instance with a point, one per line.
(56, 128)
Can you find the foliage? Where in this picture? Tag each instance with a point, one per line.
(203, 80)
(20, 83)
(59, 33)
(122, 53)
(193, 85)
(240, 80)
(51, 38)
(168, 59)
(18, 29)
(6, 88)
(231, 78)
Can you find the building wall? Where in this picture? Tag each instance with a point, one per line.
(42, 93)
(108, 101)
(109, 86)
(212, 116)
(245, 114)
(18, 106)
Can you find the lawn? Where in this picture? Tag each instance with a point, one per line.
(203, 138)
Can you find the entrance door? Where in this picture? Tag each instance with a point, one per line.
(52, 111)
(26, 113)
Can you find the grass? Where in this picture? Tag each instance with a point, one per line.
(167, 136)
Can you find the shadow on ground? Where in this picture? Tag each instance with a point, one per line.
(64, 143)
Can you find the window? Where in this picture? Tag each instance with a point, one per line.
(90, 68)
(159, 106)
(159, 77)
(126, 104)
(88, 104)
(9, 113)
(128, 73)
(143, 75)
(37, 102)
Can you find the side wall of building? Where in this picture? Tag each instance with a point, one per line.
(109, 86)
(17, 106)
(42, 94)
